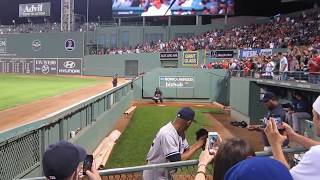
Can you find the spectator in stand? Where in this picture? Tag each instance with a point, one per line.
(269, 69)
(308, 167)
(283, 66)
(314, 68)
(298, 112)
(234, 160)
(230, 152)
(63, 161)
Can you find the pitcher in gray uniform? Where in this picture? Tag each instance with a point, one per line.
(170, 145)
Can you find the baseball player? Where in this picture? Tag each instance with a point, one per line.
(170, 145)
(157, 96)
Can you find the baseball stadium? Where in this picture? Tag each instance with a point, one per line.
(160, 89)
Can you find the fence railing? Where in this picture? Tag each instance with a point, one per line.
(21, 148)
(297, 76)
(179, 170)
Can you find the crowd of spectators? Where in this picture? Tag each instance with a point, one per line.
(30, 28)
(298, 63)
(280, 32)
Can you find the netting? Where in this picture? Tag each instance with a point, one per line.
(19, 155)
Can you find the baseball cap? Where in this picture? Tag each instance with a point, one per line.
(268, 96)
(316, 105)
(186, 113)
(60, 160)
(262, 168)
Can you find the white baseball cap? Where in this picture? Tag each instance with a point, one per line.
(316, 105)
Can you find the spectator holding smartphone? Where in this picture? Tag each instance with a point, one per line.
(308, 167)
(225, 155)
(63, 161)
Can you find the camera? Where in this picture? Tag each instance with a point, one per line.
(212, 139)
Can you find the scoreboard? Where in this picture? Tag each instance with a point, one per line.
(52, 66)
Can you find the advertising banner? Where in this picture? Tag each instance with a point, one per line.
(34, 9)
(221, 54)
(254, 52)
(69, 67)
(190, 58)
(46, 66)
(176, 81)
(169, 55)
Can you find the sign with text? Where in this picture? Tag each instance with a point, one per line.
(46, 66)
(190, 58)
(244, 53)
(69, 67)
(176, 81)
(34, 9)
(41, 66)
(221, 54)
(169, 55)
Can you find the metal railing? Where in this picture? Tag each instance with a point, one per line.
(180, 170)
(297, 76)
(22, 147)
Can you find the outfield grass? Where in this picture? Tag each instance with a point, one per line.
(21, 89)
(134, 143)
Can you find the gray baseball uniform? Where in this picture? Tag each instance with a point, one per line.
(166, 144)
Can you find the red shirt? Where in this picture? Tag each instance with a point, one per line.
(315, 68)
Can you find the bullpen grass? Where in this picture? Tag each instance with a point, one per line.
(134, 143)
(21, 89)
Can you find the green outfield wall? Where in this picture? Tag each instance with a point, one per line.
(43, 45)
(186, 84)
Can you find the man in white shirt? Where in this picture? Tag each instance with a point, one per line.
(158, 8)
(269, 69)
(283, 66)
(309, 166)
(121, 3)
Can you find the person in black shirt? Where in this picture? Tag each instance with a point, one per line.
(157, 96)
(298, 112)
(275, 109)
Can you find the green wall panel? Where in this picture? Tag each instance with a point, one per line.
(52, 45)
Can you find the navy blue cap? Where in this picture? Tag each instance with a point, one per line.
(268, 96)
(186, 113)
(262, 168)
(60, 160)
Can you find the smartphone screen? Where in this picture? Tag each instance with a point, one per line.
(212, 139)
(87, 163)
(278, 122)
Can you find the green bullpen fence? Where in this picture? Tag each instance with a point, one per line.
(92, 119)
(179, 170)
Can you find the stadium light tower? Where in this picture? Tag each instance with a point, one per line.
(88, 15)
(67, 15)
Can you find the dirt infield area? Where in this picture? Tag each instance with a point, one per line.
(30, 112)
